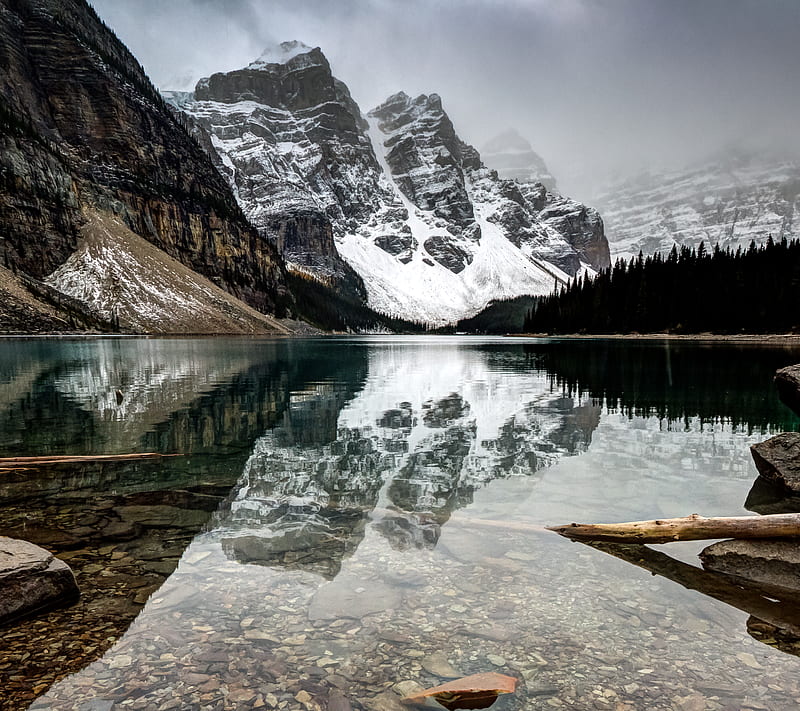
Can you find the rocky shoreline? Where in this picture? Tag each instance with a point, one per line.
(771, 338)
(121, 548)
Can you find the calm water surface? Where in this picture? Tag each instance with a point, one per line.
(353, 517)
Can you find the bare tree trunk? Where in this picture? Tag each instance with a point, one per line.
(690, 528)
(25, 463)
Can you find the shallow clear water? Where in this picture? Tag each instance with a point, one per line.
(377, 513)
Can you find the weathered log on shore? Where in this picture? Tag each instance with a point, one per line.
(32, 580)
(787, 382)
(23, 463)
(778, 459)
(689, 528)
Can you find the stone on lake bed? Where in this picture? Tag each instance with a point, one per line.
(474, 691)
(32, 580)
(438, 665)
(160, 516)
(408, 687)
(338, 702)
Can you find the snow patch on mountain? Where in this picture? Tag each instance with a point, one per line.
(424, 289)
(124, 278)
(280, 54)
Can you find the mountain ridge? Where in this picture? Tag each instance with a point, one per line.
(394, 195)
(727, 200)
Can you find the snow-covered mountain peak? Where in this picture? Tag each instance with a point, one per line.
(513, 157)
(400, 109)
(400, 201)
(280, 54)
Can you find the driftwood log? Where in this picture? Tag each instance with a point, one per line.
(689, 528)
(23, 463)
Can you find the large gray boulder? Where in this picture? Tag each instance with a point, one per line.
(787, 382)
(778, 460)
(32, 580)
(773, 565)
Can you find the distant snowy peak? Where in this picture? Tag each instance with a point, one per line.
(280, 54)
(513, 157)
(729, 202)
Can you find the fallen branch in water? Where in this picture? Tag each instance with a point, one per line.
(689, 528)
(22, 463)
(512, 526)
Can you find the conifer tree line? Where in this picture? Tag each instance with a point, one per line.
(755, 290)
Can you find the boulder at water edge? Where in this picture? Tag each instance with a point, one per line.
(787, 382)
(771, 564)
(32, 580)
(778, 459)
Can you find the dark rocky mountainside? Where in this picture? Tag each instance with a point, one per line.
(82, 129)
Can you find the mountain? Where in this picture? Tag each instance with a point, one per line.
(98, 180)
(728, 201)
(514, 158)
(392, 208)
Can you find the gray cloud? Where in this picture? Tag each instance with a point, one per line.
(598, 86)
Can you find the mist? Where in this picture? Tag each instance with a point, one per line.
(600, 88)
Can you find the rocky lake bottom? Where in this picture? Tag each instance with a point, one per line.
(339, 543)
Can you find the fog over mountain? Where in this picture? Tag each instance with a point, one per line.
(597, 86)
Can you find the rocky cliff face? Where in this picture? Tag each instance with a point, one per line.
(398, 199)
(286, 135)
(729, 202)
(81, 126)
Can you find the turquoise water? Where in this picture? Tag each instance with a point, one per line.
(355, 517)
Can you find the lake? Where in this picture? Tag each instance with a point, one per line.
(352, 519)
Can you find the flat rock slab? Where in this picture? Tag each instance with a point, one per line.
(787, 382)
(774, 564)
(163, 516)
(32, 580)
(778, 460)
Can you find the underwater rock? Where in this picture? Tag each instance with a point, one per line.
(478, 691)
(32, 580)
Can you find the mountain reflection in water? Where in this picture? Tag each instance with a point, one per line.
(405, 452)
(334, 565)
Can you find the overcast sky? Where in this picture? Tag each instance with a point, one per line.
(597, 86)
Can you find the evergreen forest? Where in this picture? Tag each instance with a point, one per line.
(753, 290)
